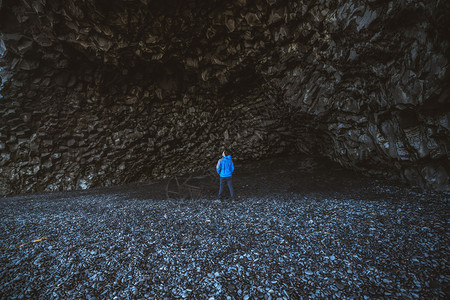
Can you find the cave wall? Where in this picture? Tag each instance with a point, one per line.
(97, 93)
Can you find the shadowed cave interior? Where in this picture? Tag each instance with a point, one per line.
(102, 93)
(117, 97)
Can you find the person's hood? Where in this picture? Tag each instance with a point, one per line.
(227, 157)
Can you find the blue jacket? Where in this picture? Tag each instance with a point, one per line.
(225, 166)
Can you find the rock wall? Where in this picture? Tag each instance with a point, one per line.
(97, 93)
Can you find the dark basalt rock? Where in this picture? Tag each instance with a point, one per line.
(97, 93)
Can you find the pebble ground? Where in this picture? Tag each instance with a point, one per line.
(300, 229)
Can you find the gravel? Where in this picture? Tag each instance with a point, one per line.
(372, 240)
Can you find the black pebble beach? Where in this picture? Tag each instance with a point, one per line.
(300, 229)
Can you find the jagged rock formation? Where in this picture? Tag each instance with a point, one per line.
(96, 92)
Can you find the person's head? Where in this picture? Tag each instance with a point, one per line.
(225, 153)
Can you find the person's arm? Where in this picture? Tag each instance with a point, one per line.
(232, 167)
(219, 166)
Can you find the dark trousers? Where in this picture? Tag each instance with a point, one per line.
(227, 180)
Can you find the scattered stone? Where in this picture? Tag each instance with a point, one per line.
(127, 242)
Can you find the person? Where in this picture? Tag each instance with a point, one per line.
(225, 170)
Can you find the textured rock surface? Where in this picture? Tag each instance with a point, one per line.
(96, 93)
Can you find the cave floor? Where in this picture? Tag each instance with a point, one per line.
(301, 228)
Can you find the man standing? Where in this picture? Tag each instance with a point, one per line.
(225, 169)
